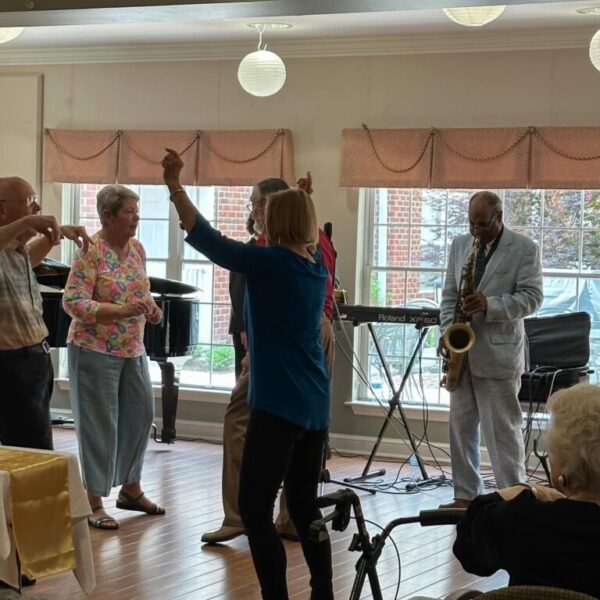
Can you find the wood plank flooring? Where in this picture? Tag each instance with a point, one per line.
(161, 558)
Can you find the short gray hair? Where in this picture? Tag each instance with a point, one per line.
(266, 187)
(574, 436)
(110, 198)
(493, 200)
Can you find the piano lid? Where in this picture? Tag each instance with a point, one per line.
(167, 287)
(53, 273)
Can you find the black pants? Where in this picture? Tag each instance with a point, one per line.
(26, 379)
(278, 451)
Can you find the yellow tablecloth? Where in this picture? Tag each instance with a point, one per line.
(80, 509)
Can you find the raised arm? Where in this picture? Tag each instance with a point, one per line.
(225, 252)
(305, 183)
(188, 213)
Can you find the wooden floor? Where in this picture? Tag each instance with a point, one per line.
(161, 558)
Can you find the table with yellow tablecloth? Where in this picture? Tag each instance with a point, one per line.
(41, 494)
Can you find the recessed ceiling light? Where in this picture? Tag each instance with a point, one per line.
(270, 26)
(590, 10)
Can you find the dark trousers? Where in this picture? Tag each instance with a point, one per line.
(278, 451)
(27, 378)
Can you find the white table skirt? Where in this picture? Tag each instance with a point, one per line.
(80, 510)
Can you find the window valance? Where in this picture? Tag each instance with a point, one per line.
(211, 157)
(527, 157)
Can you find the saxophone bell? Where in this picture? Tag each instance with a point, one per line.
(459, 338)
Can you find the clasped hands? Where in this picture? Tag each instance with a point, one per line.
(150, 310)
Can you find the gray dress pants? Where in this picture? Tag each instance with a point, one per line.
(492, 407)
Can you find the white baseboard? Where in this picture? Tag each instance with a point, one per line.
(394, 449)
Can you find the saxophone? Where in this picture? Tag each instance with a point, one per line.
(459, 338)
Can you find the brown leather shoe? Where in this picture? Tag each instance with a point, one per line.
(223, 534)
(456, 503)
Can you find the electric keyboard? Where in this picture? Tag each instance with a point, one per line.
(383, 314)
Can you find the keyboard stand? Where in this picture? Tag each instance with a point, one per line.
(395, 404)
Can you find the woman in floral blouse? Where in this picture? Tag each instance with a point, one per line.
(108, 297)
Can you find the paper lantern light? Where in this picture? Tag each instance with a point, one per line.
(474, 16)
(595, 50)
(9, 33)
(261, 73)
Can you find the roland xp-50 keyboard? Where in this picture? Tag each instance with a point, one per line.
(426, 317)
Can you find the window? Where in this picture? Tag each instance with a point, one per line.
(407, 236)
(212, 362)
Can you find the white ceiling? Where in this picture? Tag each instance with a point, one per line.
(227, 23)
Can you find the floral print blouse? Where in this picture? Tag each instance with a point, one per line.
(101, 276)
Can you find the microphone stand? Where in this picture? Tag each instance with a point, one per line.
(325, 476)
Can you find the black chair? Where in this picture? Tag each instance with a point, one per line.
(559, 353)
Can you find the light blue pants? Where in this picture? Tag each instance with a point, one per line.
(492, 406)
(113, 408)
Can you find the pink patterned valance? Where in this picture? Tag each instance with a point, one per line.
(211, 157)
(526, 157)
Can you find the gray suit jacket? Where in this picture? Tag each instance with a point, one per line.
(512, 284)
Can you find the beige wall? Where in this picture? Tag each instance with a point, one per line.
(20, 122)
(322, 96)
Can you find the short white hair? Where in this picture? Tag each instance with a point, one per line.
(573, 438)
(111, 198)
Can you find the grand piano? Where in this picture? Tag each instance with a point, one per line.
(176, 334)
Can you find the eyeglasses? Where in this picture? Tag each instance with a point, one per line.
(252, 205)
(29, 201)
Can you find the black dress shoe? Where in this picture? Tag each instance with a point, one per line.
(26, 582)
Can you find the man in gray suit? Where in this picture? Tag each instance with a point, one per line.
(508, 287)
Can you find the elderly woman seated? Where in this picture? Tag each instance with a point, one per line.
(544, 536)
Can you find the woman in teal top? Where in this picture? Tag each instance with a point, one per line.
(289, 383)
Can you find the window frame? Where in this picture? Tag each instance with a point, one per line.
(175, 265)
(365, 253)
